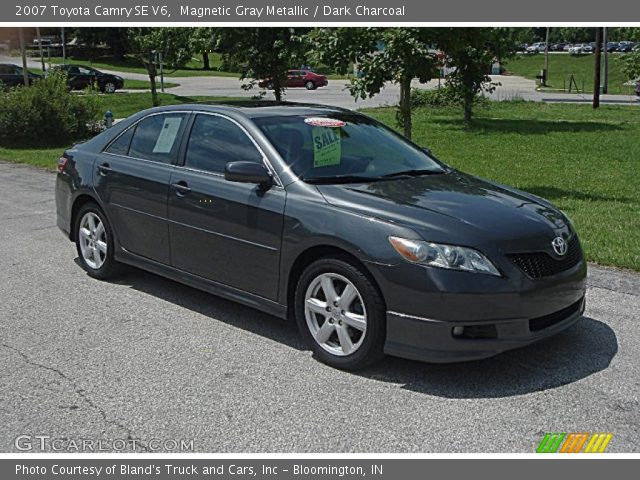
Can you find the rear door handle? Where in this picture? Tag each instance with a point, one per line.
(181, 188)
(104, 168)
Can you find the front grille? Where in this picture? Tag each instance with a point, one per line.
(540, 323)
(541, 264)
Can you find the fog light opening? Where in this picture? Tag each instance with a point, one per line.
(458, 331)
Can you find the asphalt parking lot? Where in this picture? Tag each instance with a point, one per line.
(147, 358)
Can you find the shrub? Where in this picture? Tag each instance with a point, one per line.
(46, 114)
(443, 97)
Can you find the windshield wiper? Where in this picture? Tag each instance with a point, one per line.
(341, 179)
(414, 172)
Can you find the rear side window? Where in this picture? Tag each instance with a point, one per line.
(121, 145)
(215, 141)
(157, 137)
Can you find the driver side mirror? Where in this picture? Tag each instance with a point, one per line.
(427, 150)
(248, 172)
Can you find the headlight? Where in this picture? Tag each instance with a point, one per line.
(443, 256)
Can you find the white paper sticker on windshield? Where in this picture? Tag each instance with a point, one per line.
(326, 146)
(168, 135)
(324, 122)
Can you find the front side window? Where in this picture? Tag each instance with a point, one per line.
(157, 137)
(215, 141)
(343, 146)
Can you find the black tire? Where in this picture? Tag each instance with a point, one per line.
(371, 349)
(310, 85)
(110, 268)
(109, 87)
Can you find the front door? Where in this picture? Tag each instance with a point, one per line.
(224, 231)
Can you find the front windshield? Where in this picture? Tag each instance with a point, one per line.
(343, 147)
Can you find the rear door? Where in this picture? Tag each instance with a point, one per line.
(224, 231)
(132, 179)
(295, 79)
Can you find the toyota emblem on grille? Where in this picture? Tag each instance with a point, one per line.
(559, 246)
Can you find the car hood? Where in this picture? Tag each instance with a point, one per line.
(448, 207)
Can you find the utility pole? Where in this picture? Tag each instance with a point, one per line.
(605, 83)
(40, 48)
(23, 52)
(596, 73)
(546, 58)
(64, 48)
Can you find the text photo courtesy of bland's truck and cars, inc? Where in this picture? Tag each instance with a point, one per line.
(141, 11)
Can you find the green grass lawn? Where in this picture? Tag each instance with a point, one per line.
(123, 104)
(586, 162)
(562, 66)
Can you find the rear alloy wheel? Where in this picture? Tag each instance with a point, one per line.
(94, 242)
(109, 87)
(310, 85)
(340, 313)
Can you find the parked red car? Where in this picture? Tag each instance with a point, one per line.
(300, 78)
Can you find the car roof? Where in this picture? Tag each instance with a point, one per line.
(259, 108)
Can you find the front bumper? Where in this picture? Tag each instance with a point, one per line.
(434, 341)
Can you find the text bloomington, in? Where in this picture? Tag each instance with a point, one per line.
(270, 11)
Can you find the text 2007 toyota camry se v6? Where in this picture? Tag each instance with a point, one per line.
(327, 217)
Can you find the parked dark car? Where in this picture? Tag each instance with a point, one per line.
(80, 77)
(625, 47)
(638, 89)
(612, 46)
(12, 75)
(299, 78)
(325, 216)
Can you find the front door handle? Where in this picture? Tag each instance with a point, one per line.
(181, 188)
(104, 169)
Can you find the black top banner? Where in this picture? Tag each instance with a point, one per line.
(31, 12)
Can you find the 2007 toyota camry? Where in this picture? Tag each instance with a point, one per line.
(327, 217)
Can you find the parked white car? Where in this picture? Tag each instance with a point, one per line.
(580, 48)
(537, 47)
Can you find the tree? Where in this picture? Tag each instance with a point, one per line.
(471, 52)
(631, 65)
(116, 38)
(172, 43)
(203, 41)
(263, 53)
(382, 55)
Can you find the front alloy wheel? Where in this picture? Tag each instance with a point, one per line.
(341, 314)
(335, 314)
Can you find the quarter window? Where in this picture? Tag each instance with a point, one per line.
(157, 137)
(121, 145)
(215, 141)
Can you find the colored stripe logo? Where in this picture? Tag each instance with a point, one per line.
(574, 442)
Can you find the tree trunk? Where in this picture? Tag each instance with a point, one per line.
(596, 71)
(277, 86)
(151, 70)
(468, 108)
(405, 105)
(205, 61)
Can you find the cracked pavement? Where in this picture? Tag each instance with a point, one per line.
(146, 358)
